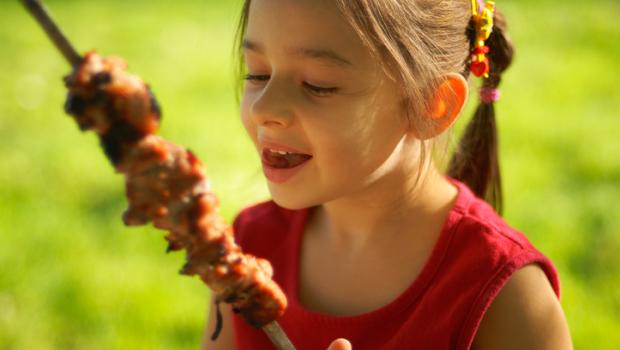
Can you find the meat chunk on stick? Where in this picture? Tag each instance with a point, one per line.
(166, 185)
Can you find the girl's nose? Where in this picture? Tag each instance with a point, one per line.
(273, 105)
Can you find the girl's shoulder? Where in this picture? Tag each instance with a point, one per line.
(481, 254)
(480, 236)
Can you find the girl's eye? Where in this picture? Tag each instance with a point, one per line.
(320, 91)
(258, 78)
(316, 90)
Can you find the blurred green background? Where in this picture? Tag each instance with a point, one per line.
(72, 277)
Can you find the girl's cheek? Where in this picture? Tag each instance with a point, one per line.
(246, 119)
(245, 109)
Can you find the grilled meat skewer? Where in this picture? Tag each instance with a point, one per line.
(167, 185)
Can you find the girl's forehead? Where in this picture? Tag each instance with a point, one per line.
(325, 9)
(304, 27)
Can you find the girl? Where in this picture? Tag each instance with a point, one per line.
(346, 102)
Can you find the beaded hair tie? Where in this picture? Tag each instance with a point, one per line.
(483, 19)
(489, 95)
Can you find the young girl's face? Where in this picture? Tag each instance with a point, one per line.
(314, 88)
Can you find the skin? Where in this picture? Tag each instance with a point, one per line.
(525, 315)
(369, 225)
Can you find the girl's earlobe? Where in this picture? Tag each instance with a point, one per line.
(447, 102)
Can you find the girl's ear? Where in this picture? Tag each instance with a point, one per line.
(445, 104)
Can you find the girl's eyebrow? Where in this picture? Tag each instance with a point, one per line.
(326, 55)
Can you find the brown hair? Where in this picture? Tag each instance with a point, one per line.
(476, 160)
(418, 42)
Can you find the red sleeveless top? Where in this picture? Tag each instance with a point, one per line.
(474, 256)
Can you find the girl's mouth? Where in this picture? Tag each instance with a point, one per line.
(282, 159)
(279, 166)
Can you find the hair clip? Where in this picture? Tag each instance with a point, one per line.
(483, 19)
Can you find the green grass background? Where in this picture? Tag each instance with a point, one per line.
(72, 277)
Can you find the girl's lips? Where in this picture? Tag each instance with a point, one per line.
(281, 175)
(281, 160)
(279, 172)
(268, 145)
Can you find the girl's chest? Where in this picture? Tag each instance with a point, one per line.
(337, 282)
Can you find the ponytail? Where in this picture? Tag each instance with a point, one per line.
(475, 161)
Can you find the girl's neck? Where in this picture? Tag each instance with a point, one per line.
(387, 209)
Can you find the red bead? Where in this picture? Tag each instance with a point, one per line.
(481, 50)
(479, 68)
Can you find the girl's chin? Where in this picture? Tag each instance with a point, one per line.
(291, 201)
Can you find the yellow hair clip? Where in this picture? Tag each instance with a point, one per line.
(483, 18)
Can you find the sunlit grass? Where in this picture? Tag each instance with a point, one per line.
(73, 277)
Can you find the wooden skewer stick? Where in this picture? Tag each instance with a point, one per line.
(35, 7)
(278, 337)
(39, 12)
